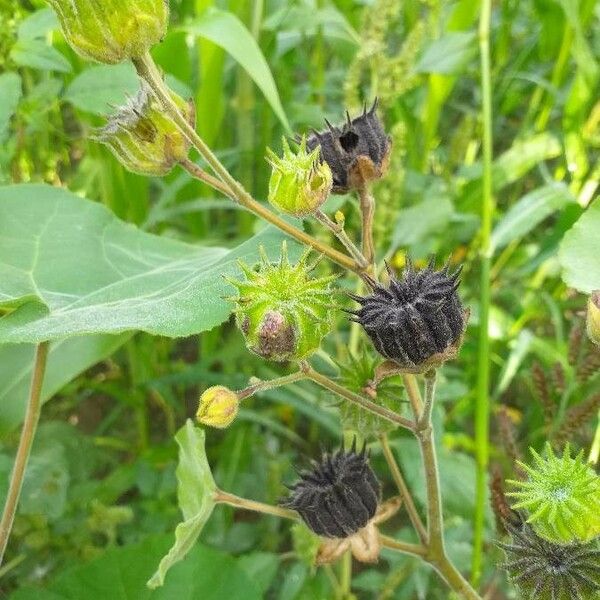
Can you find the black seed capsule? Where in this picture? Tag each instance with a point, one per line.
(543, 570)
(415, 317)
(356, 152)
(339, 496)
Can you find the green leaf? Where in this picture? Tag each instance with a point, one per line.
(225, 30)
(449, 54)
(529, 211)
(70, 267)
(37, 54)
(580, 252)
(38, 24)
(66, 359)
(99, 89)
(120, 573)
(195, 492)
(10, 94)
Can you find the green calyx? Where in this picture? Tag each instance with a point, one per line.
(143, 137)
(282, 312)
(111, 31)
(561, 496)
(300, 183)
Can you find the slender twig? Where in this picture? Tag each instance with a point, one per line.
(482, 404)
(404, 547)
(340, 390)
(367, 211)
(340, 233)
(148, 71)
(222, 497)
(198, 173)
(32, 417)
(270, 384)
(430, 383)
(414, 395)
(409, 503)
(346, 574)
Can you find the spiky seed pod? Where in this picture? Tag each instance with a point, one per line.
(339, 496)
(143, 137)
(357, 151)
(111, 31)
(218, 407)
(282, 312)
(417, 320)
(561, 495)
(300, 182)
(543, 570)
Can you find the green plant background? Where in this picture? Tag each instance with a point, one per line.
(99, 501)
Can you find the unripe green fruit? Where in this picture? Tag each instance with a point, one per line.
(300, 183)
(282, 312)
(111, 31)
(561, 496)
(143, 137)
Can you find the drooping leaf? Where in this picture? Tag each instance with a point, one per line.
(66, 359)
(69, 267)
(10, 94)
(225, 30)
(528, 212)
(580, 252)
(195, 492)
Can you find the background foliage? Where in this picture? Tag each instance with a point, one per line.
(99, 495)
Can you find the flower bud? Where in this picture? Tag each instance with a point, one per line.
(593, 317)
(218, 407)
(143, 137)
(561, 496)
(111, 31)
(357, 152)
(300, 183)
(417, 321)
(282, 312)
(338, 496)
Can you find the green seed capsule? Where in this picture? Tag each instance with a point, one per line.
(143, 137)
(111, 31)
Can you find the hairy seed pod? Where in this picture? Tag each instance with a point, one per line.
(143, 137)
(543, 570)
(357, 151)
(561, 495)
(282, 312)
(111, 31)
(300, 182)
(416, 320)
(218, 407)
(593, 317)
(339, 496)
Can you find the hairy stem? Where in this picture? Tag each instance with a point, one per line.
(482, 404)
(32, 417)
(404, 547)
(435, 550)
(367, 211)
(222, 497)
(346, 575)
(407, 498)
(270, 384)
(340, 233)
(148, 71)
(340, 390)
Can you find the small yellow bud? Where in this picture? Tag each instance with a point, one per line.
(218, 407)
(340, 219)
(593, 317)
(111, 31)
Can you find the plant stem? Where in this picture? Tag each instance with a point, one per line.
(340, 390)
(435, 550)
(32, 417)
(198, 173)
(261, 386)
(267, 509)
(367, 211)
(404, 547)
(346, 575)
(482, 404)
(407, 498)
(340, 233)
(148, 71)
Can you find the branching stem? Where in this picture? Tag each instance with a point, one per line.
(367, 211)
(32, 417)
(267, 509)
(270, 384)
